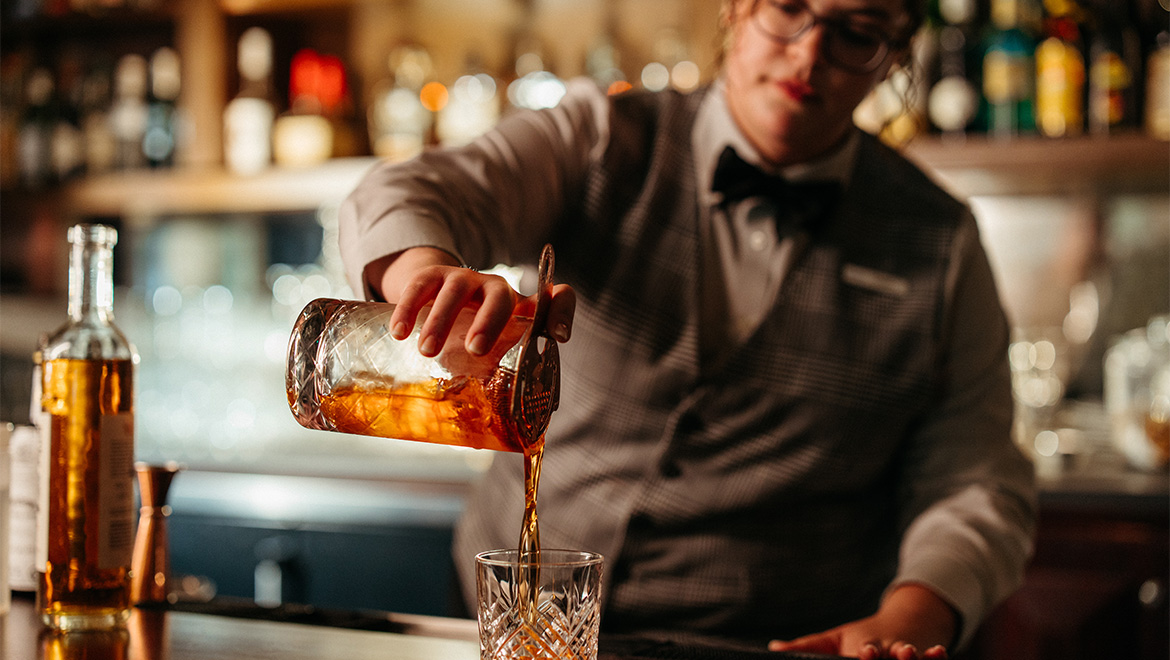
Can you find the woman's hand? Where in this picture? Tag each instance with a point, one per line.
(419, 277)
(912, 624)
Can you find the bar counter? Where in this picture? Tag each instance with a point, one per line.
(178, 634)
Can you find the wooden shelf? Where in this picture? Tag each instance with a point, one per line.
(146, 194)
(978, 166)
(1085, 166)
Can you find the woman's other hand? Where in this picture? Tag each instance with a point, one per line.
(912, 624)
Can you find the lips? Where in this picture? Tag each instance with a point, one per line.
(797, 90)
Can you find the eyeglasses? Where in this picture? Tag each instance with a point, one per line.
(849, 43)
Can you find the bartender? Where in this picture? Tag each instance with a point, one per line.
(785, 410)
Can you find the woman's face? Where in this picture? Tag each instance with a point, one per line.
(789, 100)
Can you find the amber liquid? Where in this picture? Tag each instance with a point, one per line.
(466, 412)
(1158, 431)
(86, 579)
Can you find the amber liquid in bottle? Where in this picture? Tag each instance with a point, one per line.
(86, 581)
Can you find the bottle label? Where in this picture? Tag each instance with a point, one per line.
(1111, 78)
(116, 491)
(44, 428)
(24, 451)
(1060, 77)
(1158, 94)
(115, 502)
(1005, 77)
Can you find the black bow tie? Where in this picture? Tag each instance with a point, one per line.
(799, 204)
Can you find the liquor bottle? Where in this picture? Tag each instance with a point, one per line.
(86, 528)
(603, 60)
(1060, 72)
(1114, 67)
(100, 145)
(161, 137)
(248, 119)
(1157, 107)
(303, 136)
(953, 100)
(128, 112)
(534, 87)
(11, 117)
(66, 145)
(1009, 70)
(398, 122)
(473, 107)
(36, 130)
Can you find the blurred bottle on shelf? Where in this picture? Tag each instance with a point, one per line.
(249, 117)
(535, 87)
(953, 100)
(1157, 105)
(163, 131)
(304, 136)
(66, 145)
(129, 111)
(100, 146)
(472, 108)
(1114, 71)
(1009, 71)
(671, 65)
(1060, 71)
(36, 129)
(603, 61)
(398, 122)
(11, 107)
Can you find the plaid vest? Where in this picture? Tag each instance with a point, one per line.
(757, 498)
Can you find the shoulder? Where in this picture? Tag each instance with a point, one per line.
(626, 122)
(642, 106)
(885, 177)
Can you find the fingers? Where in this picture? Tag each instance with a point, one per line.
(899, 651)
(418, 292)
(903, 651)
(821, 643)
(449, 291)
(560, 312)
(497, 302)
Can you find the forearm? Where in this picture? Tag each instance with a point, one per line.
(493, 201)
(968, 492)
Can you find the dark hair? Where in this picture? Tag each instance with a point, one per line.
(916, 13)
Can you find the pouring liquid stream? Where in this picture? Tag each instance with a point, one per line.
(528, 570)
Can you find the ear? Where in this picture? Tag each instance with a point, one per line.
(728, 10)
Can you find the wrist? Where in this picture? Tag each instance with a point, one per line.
(386, 276)
(934, 619)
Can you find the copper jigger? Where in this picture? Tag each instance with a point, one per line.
(150, 565)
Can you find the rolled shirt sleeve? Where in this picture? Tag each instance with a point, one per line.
(968, 493)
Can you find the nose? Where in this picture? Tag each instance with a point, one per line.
(809, 48)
